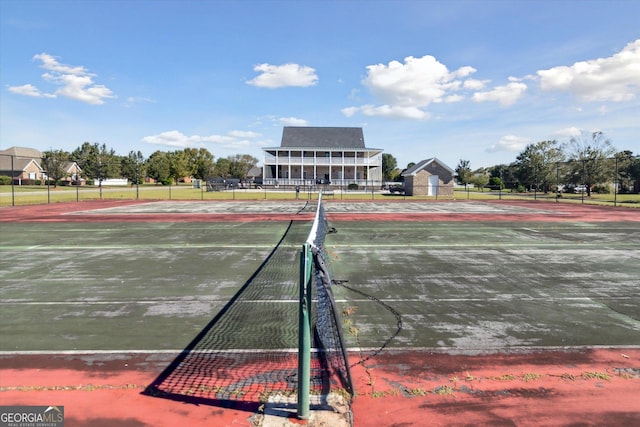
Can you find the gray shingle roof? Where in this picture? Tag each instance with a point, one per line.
(322, 137)
(422, 164)
(23, 152)
(19, 164)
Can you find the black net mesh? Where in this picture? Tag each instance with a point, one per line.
(249, 350)
(328, 329)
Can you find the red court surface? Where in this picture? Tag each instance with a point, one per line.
(58, 212)
(579, 387)
(526, 387)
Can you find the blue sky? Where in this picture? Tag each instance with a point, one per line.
(473, 80)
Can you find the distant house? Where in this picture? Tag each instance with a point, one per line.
(254, 176)
(21, 164)
(27, 167)
(335, 156)
(429, 177)
(72, 175)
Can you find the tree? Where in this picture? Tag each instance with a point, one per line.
(389, 167)
(96, 161)
(590, 154)
(222, 168)
(55, 165)
(178, 165)
(464, 175)
(505, 174)
(496, 183)
(241, 164)
(199, 162)
(480, 180)
(158, 167)
(133, 167)
(537, 164)
(628, 167)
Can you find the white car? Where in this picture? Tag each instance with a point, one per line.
(580, 189)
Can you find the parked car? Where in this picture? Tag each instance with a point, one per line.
(580, 189)
(396, 189)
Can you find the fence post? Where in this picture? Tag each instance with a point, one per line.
(616, 184)
(304, 333)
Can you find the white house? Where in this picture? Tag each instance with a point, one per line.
(322, 155)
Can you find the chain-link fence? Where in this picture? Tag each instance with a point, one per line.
(614, 181)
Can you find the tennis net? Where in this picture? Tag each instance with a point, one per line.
(328, 336)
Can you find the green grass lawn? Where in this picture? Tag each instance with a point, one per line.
(30, 195)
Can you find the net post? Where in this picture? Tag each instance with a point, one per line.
(304, 333)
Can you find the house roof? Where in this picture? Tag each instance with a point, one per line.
(423, 164)
(31, 153)
(322, 137)
(255, 171)
(20, 164)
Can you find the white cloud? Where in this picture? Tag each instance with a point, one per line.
(392, 111)
(473, 84)
(511, 143)
(133, 100)
(50, 63)
(28, 90)
(405, 89)
(616, 78)
(568, 132)
(416, 83)
(350, 111)
(505, 95)
(243, 134)
(292, 121)
(453, 98)
(174, 138)
(74, 82)
(276, 76)
(465, 71)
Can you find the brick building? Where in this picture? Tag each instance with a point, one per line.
(429, 177)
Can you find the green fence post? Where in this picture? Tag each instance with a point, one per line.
(304, 333)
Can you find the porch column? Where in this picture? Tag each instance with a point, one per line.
(355, 167)
(315, 166)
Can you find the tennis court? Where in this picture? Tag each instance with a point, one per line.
(457, 312)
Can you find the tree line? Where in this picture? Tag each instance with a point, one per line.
(588, 160)
(97, 162)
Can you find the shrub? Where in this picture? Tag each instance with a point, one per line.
(5, 180)
(353, 186)
(601, 189)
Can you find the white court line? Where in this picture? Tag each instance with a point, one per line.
(142, 246)
(295, 300)
(531, 230)
(443, 350)
(147, 302)
(504, 350)
(89, 352)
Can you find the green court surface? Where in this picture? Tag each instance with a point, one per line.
(480, 285)
(153, 286)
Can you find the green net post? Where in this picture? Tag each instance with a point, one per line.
(304, 332)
